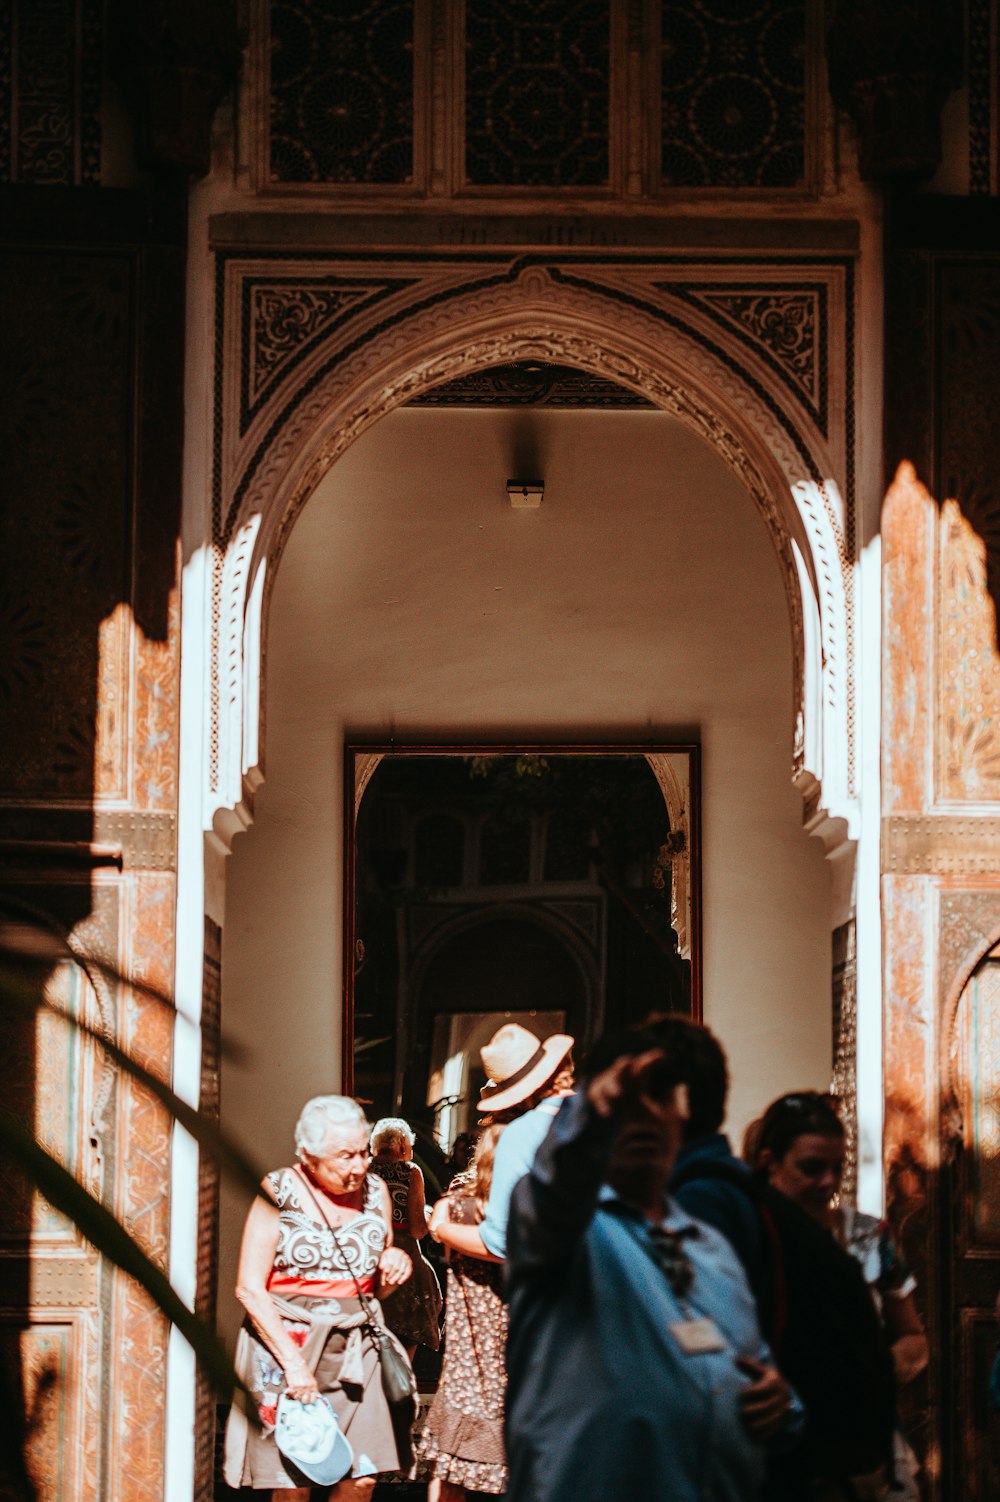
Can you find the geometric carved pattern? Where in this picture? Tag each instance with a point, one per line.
(50, 92)
(284, 318)
(940, 845)
(341, 91)
(785, 325)
(531, 384)
(981, 64)
(733, 94)
(845, 1045)
(537, 92)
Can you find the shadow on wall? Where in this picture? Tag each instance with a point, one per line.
(92, 365)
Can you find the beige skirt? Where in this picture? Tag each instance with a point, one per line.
(346, 1366)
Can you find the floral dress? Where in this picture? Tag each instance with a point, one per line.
(312, 1284)
(462, 1441)
(413, 1312)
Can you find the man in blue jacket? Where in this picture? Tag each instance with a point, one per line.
(635, 1361)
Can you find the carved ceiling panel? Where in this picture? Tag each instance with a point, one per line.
(733, 94)
(606, 98)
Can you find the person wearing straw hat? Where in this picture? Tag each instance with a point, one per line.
(528, 1077)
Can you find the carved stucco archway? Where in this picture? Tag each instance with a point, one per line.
(620, 323)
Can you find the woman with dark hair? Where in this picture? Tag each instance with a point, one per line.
(799, 1146)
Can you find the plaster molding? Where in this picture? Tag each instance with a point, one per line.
(450, 316)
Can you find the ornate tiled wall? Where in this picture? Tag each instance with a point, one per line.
(88, 794)
(941, 834)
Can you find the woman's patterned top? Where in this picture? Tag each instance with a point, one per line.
(870, 1242)
(306, 1250)
(395, 1174)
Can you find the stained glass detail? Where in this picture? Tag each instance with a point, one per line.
(341, 91)
(733, 93)
(537, 93)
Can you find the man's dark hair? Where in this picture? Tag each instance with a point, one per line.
(696, 1058)
(628, 1043)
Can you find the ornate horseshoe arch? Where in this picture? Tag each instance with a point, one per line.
(319, 349)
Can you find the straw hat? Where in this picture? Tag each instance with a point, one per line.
(517, 1065)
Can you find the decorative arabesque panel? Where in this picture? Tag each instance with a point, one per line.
(537, 86)
(732, 94)
(65, 328)
(341, 91)
(50, 92)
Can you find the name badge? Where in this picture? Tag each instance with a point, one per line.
(696, 1337)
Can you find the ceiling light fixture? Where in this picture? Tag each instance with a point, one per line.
(525, 495)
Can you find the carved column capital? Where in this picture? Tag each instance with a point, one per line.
(891, 67)
(174, 61)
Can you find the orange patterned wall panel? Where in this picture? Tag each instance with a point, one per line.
(908, 555)
(967, 761)
(941, 916)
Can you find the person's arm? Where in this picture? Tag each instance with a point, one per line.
(904, 1327)
(552, 1205)
(416, 1206)
(554, 1202)
(260, 1242)
(768, 1406)
(488, 1240)
(394, 1265)
(458, 1238)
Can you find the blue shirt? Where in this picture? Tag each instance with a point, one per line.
(514, 1156)
(602, 1401)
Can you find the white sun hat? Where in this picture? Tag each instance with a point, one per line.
(517, 1064)
(309, 1435)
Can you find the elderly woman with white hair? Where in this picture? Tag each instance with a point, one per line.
(414, 1311)
(317, 1252)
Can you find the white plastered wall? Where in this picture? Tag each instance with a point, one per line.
(642, 599)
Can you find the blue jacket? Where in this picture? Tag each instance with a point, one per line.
(602, 1400)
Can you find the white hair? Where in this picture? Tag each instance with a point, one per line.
(319, 1117)
(392, 1131)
